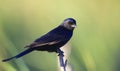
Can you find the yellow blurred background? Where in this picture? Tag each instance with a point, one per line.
(95, 45)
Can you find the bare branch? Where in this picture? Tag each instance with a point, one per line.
(63, 62)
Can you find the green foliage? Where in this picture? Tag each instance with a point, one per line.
(95, 43)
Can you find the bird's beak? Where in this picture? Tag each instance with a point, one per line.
(73, 26)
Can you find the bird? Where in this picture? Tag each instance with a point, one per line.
(51, 41)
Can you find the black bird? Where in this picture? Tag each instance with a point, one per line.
(51, 41)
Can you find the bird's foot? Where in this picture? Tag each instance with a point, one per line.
(60, 52)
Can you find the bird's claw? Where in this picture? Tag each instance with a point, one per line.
(60, 52)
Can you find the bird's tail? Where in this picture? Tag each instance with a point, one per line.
(19, 55)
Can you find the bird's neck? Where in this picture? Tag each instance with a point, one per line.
(64, 28)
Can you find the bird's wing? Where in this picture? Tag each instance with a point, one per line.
(48, 39)
(35, 44)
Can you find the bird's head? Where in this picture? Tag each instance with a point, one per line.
(69, 23)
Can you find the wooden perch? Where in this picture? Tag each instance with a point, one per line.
(61, 59)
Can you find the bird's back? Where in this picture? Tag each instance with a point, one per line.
(54, 39)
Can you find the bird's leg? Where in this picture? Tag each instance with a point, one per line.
(60, 52)
(61, 55)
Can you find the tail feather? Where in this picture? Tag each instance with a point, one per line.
(8, 59)
(19, 55)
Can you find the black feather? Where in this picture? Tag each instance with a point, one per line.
(19, 55)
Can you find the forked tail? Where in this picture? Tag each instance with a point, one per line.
(19, 55)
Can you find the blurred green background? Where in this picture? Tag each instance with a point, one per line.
(95, 45)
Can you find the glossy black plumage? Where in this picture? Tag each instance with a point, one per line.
(53, 40)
